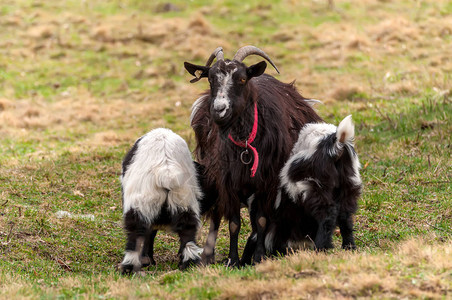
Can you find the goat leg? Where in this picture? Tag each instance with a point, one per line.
(136, 231)
(147, 257)
(186, 226)
(261, 225)
(327, 223)
(250, 246)
(345, 222)
(208, 254)
(234, 230)
(261, 221)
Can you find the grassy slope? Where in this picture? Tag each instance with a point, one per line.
(80, 81)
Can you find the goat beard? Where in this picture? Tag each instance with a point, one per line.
(238, 126)
(225, 128)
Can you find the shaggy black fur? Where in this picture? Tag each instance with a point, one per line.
(331, 200)
(185, 223)
(290, 222)
(129, 156)
(210, 193)
(282, 113)
(333, 196)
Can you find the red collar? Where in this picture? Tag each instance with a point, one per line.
(247, 144)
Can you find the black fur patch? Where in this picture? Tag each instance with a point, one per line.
(331, 200)
(129, 157)
(210, 193)
(282, 112)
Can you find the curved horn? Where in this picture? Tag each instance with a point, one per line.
(250, 50)
(218, 54)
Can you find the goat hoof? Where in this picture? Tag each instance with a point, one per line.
(183, 265)
(125, 269)
(259, 256)
(246, 262)
(207, 259)
(349, 247)
(147, 261)
(324, 249)
(233, 263)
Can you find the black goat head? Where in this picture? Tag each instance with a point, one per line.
(228, 81)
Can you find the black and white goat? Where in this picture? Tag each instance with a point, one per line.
(247, 118)
(320, 187)
(161, 190)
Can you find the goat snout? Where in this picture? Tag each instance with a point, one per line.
(220, 107)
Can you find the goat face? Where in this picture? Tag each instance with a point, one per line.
(229, 88)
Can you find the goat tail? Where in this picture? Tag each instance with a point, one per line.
(345, 136)
(169, 177)
(345, 132)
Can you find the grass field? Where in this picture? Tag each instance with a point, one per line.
(81, 80)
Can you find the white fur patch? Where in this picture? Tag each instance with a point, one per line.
(304, 148)
(161, 170)
(309, 137)
(356, 167)
(269, 240)
(221, 100)
(346, 130)
(308, 140)
(195, 107)
(294, 189)
(134, 257)
(250, 200)
(278, 199)
(191, 252)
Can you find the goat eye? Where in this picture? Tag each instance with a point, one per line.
(242, 80)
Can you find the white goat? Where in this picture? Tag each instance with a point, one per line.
(160, 190)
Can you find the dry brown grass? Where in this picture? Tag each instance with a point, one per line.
(371, 52)
(388, 44)
(392, 44)
(349, 275)
(414, 269)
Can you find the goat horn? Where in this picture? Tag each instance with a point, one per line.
(250, 50)
(218, 54)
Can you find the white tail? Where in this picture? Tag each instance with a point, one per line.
(170, 177)
(346, 130)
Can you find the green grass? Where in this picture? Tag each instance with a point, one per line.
(78, 86)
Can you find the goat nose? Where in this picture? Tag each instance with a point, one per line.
(219, 107)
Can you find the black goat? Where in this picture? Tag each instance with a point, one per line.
(162, 189)
(246, 117)
(321, 185)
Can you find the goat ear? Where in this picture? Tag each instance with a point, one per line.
(197, 71)
(256, 70)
